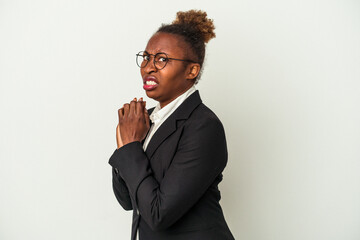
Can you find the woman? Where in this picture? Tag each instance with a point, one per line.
(169, 161)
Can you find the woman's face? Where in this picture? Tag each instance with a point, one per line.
(170, 82)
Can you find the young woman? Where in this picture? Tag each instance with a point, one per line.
(170, 159)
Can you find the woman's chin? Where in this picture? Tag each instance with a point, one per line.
(151, 94)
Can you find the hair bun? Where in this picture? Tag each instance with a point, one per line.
(197, 19)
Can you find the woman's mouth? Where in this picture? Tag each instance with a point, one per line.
(150, 83)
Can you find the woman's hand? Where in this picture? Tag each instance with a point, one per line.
(118, 137)
(134, 122)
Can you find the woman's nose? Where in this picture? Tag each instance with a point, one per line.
(150, 67)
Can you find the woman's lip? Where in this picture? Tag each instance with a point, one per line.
(149, 87)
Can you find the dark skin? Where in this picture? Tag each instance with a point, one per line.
(173, 80)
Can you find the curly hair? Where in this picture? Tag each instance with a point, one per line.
(195, 29)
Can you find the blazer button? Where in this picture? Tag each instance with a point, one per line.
(116, 170)
(137, 212)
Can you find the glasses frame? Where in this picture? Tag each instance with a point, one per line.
(141, 53)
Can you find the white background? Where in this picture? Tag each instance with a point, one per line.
(283, 76)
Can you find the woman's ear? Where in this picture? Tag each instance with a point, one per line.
(193, 71)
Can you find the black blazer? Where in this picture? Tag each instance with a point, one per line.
(173, 186)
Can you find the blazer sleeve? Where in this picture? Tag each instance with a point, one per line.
(201, 156)
(120, 190)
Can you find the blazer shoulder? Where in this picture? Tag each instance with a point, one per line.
(204, 116)
(204, 113)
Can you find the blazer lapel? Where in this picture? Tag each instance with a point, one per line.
(169, 126)
(149, 112)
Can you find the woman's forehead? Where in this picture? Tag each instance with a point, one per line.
(164, 42)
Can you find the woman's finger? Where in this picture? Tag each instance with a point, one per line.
(140, 107)
(126, 109)
(143, 103)
(121, 113)
(132, 108)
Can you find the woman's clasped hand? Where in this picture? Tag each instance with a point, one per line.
(134, 122)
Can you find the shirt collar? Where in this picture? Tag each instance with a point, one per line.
(159, 113)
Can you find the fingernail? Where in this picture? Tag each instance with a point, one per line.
(134, 99)
(141, 99)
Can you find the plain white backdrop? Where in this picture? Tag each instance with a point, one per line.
(283, 76)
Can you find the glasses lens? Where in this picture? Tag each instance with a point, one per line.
(141, 59)
(161, 59)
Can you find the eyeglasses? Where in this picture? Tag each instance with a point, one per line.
(160, 59)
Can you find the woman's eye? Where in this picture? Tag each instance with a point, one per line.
(163, 59)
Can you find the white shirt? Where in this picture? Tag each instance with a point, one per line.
(159, 115)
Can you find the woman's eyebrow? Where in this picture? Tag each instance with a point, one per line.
(153, 54)
(158, 51)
